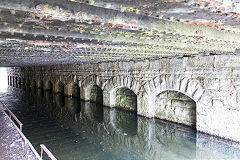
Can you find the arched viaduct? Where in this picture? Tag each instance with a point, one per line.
(201, 91)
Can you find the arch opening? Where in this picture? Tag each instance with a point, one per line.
(94, 93)
(73, 90)
(39, 84)
(13, 81)
(48, 86)
(123, 98)
(176, 107)
(59, 87)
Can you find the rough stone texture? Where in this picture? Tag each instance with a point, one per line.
(211, 81)
(176, 107)
(12, 146)
(94, 93)
(125, 98)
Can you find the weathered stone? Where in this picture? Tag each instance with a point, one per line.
(227, 61)
(213, 93)
(211, 84)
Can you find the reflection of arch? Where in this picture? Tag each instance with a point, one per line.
(123, 97)
(39, 84)
(72, 90)
(59, 87)
(59, 99)
(94, 93)
(93, 111)
(73, 104)
(175, 106)
(124, 122)
(48, 95)
(48, 85)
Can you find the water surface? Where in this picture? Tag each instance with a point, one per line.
(76, 130)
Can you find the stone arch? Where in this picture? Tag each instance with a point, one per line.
(72, 90)
(48, 85)
(117, 82)
(87, 81)
(93, 93)
(123, 97)
(176, 107)
(39, 84)
(59, 87)
(190, 87)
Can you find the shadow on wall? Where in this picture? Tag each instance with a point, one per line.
(3, 79)
(123, 98)
(176, 107)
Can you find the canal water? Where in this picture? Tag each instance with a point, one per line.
(76, 130)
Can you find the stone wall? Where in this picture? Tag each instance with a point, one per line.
(176, 107)
(212, 82)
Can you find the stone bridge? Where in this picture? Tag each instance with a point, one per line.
(201, 91)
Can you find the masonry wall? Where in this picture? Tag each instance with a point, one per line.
(212, 82)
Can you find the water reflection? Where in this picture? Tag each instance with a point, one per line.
(114, 134)
(48, 96)
(59, 99)
(73, 106)
(93, 111)
(123, 121)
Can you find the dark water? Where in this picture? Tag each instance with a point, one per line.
(76, 130)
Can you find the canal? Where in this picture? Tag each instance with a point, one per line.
(76, 130)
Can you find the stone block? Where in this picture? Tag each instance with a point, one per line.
(227, 61)
(218, 103)
(199, 63)
(191, 88)
(176, 65)
(225, 84)
(212, 84)
(198, 94)
(183, 85)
